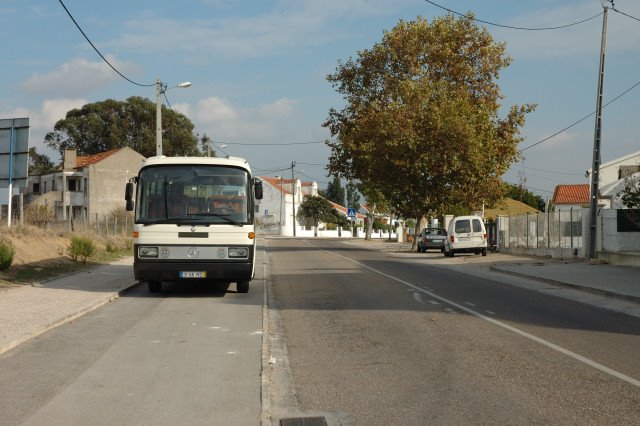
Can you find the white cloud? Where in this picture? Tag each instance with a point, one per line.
(78, 77)
(222, 120)
(280, 108)
(290, 25)
(42, 119)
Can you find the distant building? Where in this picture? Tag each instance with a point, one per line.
(508, 207)
(86, 186)
(618, 168)
(567, 197)
(276, 206)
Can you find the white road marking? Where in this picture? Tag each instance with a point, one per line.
(433, 302)
(522, 333)
(469, 304)
(417, 296)
(490, 312)
(451, 311)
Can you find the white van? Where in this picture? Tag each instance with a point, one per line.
(466, 234)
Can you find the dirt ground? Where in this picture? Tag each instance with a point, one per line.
(43, 253)
(38, 249)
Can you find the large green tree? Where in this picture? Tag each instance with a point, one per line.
(335, 191)
(40, 164)
(353, 197)
(421, 122)
(316, 209)
(110, 124)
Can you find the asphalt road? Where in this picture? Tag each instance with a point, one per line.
(362, 337)
(190, 355)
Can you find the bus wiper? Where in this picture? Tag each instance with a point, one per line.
(221, 216)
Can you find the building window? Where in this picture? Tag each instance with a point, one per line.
(45, 186)
(72, 184)
(36, 187)
(257, 208)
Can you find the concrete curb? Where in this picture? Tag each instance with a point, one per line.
(587, 289)
(82, 310)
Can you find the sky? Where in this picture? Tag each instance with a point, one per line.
(258, 71)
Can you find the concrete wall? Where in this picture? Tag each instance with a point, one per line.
(613, 241)
(107, 179)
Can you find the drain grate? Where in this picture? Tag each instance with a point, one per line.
(303, 421)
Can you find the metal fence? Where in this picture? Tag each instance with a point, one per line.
(562, 229)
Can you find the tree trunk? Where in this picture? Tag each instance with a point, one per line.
(370, 215)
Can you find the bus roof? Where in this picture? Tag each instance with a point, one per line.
(215, 161)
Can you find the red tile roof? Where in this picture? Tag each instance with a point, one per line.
(344, 210)
(571, 194)
(282, 185)
(87, 160)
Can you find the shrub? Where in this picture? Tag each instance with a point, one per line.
(81, 248)
(39, 215)
(7, 251)
(110, 247)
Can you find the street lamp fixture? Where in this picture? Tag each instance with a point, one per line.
(220, 148)
(161, 89)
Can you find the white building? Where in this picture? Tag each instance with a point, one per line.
(619, 168)
(275, 210)
(277, 204)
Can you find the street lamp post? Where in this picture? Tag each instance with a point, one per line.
(161, 88)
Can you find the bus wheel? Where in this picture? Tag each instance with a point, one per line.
(242, 286)
(154, 286)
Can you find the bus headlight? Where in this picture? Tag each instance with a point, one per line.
(148, 252)
(238, 252)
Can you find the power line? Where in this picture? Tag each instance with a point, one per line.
(272, 144)
(512, 27)
(625, 14)
(583, 118)
(551, 171)
(314, 179)
(98, 52)
(167, 99)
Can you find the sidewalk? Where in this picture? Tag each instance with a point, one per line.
(28, 311)
(610, 280)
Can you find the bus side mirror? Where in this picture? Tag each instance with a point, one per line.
(257, 187)
(128, 196)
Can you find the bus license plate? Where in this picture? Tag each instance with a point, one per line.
(193, 274)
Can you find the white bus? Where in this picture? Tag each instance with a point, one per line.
(194, 220)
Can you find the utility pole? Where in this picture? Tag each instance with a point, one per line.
(159, 90)
(595, 169)
(293, 191)
(281, 197)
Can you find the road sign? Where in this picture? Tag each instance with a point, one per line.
(14, 152)
(351, 212)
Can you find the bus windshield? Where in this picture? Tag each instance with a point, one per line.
(194, 194)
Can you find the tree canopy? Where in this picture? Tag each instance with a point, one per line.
(39, 164)
(111, 124)
(421, 122)
(525, 196)
(316, 209)
(335, 191)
